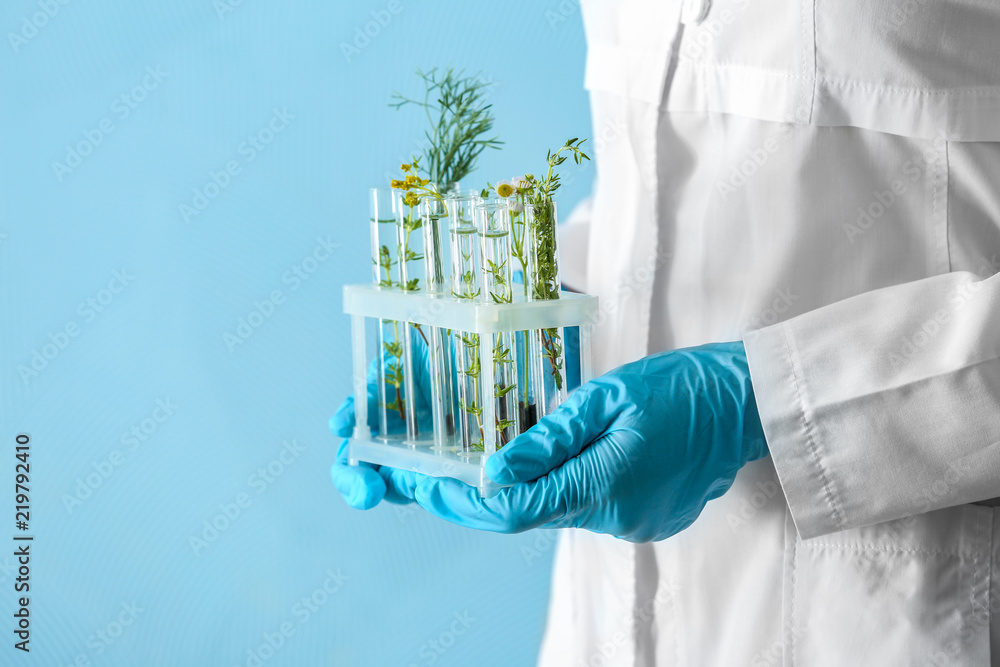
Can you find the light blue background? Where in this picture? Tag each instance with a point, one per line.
(161, 337)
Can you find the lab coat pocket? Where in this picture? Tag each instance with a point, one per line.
(909, 592)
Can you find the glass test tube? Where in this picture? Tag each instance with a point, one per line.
(521, 274)
(391, 334)
(410, 250)
(493, 227)
(466, 286)
(547, 371)
(437, 255)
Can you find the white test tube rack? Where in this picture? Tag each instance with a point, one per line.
(447, 312)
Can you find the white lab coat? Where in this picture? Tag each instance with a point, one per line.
(820, 178)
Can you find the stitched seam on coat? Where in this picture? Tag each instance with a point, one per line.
(946, 177)
(808, 429)
(885, 549)
(934, 204)
(986, 540)
(846, 83)
(795, 572)
(696, 64)
(983, 524)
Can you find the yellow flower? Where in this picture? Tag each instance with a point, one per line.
(505, 190)
(398, 185)
(406, 167)
(411, 199)
(411, 179)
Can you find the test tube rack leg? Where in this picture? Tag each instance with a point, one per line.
(446, 312)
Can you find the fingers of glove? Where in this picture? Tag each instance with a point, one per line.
(396, 486)
(342, 421)
(557, 437)
(513, 510)
(400, 484)
(362, 486)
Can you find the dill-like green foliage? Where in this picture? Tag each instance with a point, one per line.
(460, 118)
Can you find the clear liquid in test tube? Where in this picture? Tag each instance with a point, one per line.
(437, 256)
(493, 228)
(390, 334)
(466, 286)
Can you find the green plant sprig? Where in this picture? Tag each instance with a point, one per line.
(539, 194)
(542, 190)
(459, 117)
(394, 371)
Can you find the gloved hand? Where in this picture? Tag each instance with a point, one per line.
(635, 453)
(365, 485)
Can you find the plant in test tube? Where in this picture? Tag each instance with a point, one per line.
(466, 286)
(459, 118)
(384, 236)
(493, 225)
(542, 227)
(415, 190)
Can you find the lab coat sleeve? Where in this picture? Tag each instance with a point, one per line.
(884, 405)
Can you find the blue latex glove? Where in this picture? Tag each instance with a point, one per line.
(365, 485)
(635, 453)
